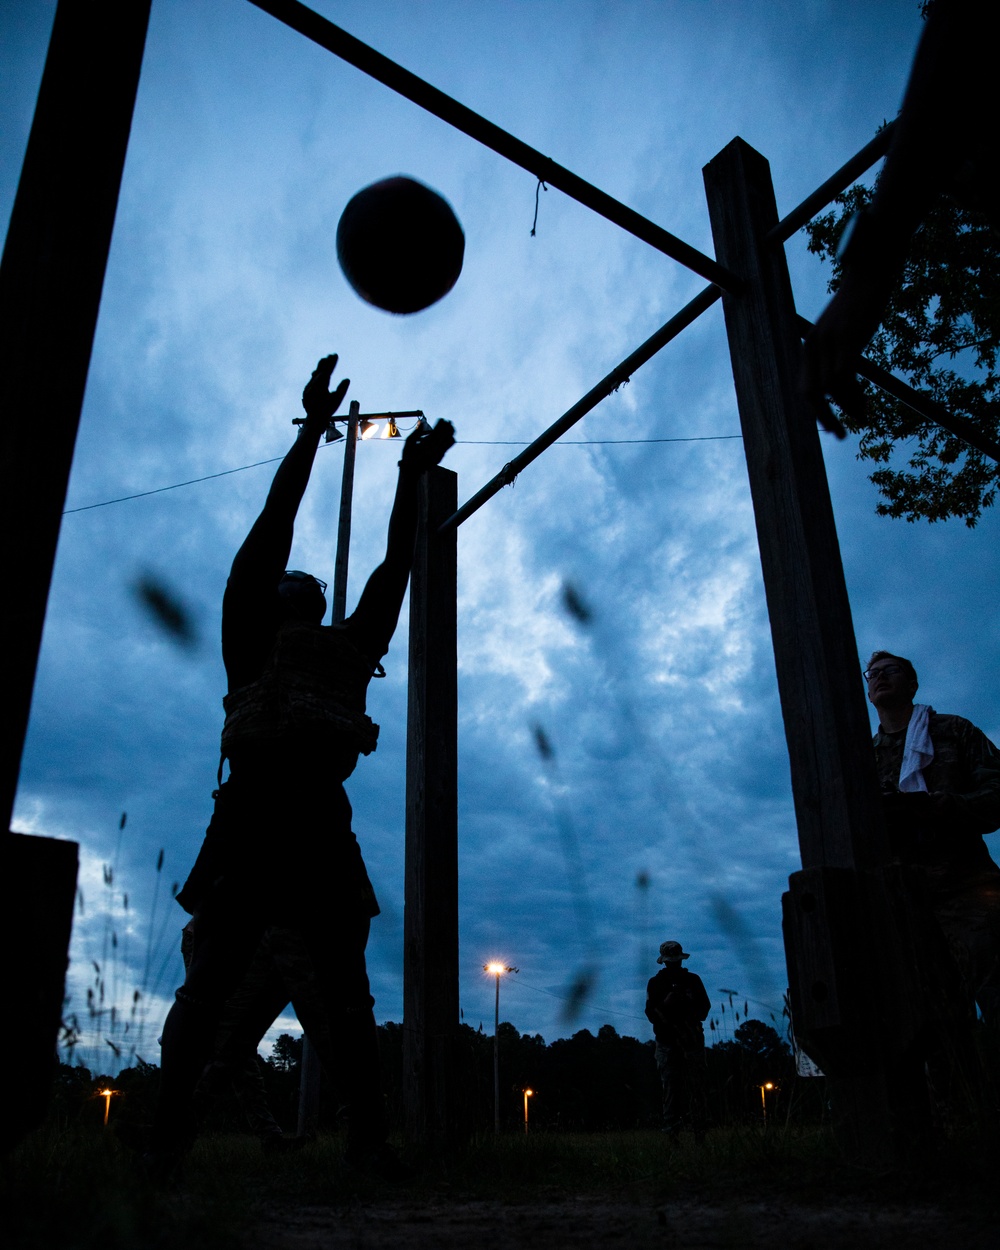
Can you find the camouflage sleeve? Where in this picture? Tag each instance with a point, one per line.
(975, 799)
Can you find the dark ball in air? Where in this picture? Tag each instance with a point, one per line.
(400, 245)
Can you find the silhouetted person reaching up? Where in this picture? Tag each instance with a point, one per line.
(280, 849)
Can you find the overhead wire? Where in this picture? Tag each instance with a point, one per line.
(472, 442)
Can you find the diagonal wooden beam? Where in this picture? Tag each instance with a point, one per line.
(920, 402)
(610, 382)
(50, 291)
(301, 18)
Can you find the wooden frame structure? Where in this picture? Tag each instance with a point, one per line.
(844, 901)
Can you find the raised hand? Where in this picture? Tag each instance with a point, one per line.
(425, 447)
(317, 399)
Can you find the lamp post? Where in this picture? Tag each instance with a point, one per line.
(497, 970)
(107, 1095)
(358, 426)
(527, 1094)
(768, 1085)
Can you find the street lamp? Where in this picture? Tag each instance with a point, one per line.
(768, 1085)
(497, 970)
(107, 1095)
(527, 1094)
(358, 425)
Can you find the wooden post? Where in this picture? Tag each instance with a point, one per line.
(430, 930)
(50, 289)
(35, 924)
(844, 986)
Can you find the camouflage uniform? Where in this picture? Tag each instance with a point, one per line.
(237, 1065)
(950, 866)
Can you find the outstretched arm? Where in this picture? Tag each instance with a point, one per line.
(378, 609)
(266, 548)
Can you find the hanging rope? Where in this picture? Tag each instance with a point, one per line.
(541, 187)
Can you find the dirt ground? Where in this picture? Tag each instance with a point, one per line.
(585, 1223)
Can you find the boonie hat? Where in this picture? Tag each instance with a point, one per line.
(672, 953)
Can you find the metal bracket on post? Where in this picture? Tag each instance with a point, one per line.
(430, 923)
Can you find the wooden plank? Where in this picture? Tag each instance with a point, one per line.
(35, 922)
(50, 290)
(430, 928)
(842, 980)
(819, 680)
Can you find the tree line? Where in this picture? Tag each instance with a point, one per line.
(586, 1082)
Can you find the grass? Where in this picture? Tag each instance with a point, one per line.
(80, 1190)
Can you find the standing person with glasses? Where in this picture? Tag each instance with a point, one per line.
(280, 850)
(940, 780)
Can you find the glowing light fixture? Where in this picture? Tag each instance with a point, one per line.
(496, 969)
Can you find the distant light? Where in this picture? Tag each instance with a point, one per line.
(495, 969)
(368, 429)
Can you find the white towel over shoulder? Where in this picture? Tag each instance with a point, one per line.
(918, 751)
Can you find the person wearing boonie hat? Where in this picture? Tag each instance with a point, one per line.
(676, 1005)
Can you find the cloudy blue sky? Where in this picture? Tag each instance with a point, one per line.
(223, 290)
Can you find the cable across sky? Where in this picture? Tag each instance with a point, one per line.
(570, 442)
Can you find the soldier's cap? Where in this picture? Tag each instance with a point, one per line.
(672, 953)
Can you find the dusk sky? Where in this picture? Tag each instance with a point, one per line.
(222, 292)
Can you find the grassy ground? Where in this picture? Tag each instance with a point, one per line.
(80, 1188)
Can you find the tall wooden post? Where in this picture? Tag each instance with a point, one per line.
(839, 926)
(430, 929)
(51, 277)
(50, 290)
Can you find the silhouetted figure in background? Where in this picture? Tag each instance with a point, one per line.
(944, 142)
(676, 1006)
(280, 849)
(940, 780)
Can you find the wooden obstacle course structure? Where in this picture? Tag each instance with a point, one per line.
(844, 903)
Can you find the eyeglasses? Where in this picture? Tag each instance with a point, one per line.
(296, 575)
(886, 670)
